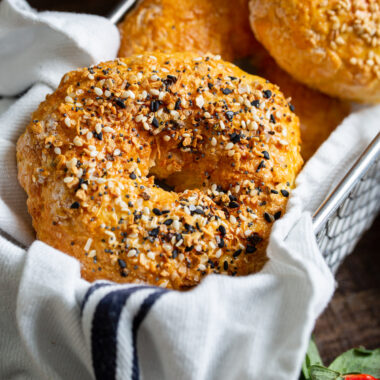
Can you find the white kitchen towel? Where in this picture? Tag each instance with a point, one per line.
(54, 325)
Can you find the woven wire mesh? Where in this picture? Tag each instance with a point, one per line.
(351, 219)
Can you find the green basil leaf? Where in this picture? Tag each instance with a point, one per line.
(318, 372)
(312, 358)
(358, 360)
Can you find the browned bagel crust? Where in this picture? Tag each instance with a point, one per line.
(330, 45)
(201, 26)
(149, 27)
(319, 114)
(225, 140)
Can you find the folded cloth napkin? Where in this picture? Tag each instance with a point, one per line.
(54, 325)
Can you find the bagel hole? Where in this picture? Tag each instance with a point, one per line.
(162, 184)
(178, 181)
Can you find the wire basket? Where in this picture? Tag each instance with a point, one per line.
(350, 208)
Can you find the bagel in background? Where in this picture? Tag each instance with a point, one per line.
(201, 26)
(148, 27)
(330, 45)
(227, 143)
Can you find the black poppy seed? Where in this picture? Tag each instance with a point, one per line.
(154, 232)
(265, 154)
(168, 222)
(267, 94)
(250, 249)
(75, 205)
(274, 191)
(154, 105)
(120, 103)
(237, 253)
(272, 119)
(285, 193)
(121, 263)
(226, 91)
(155, 123)
(261, 165)
(277, 215)
(157, 212)
(98, 136)
(132, 176)
(233, 204)
(177, 105)
(222, 230)
(225, 265)
(256, 103)
(267, 217)
(229, 115)
(291, 107)
(235, 138)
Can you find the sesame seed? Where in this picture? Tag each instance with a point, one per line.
(229, 146)
(69, 99)
(154, 92)
(89, 135)
(213, 141)
(57, 150)
(199, 101)
(132, 253)
(222, 125)
(90, 76)
(68, 179)
(166, 138)
(218, 253)
(98, 91)
(78, 141)
(107, 93)
(68, 122)
(108, 129)
(98, 128)
(88, 245)
(116, 152)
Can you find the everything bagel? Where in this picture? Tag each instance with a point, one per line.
(96, 153)
(331, 45)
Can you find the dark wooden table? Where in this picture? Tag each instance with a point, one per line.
(353, 317)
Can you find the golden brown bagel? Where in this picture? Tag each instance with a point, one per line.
(218, 26)
(330, 45)
(149, 27)
(226, 141)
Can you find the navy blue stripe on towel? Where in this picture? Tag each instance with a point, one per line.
(139, 318)
(91, 290)
(104, 331)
